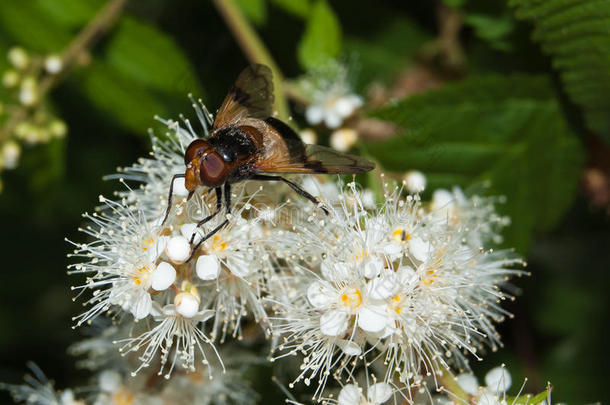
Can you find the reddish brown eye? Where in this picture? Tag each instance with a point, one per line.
(213, 170)
(195, 149)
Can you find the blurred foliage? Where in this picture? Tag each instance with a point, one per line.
(577, 36)
(507, 130)
(499, 116)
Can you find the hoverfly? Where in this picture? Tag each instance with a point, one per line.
(247, 143)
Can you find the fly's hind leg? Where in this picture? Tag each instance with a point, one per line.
(293, 186)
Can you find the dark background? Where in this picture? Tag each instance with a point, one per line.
(560, 331)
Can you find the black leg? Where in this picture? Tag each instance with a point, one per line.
(170, 196)
(293, 186)
(227, 192)
(209, 217)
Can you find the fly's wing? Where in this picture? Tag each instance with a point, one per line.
(284, 152)
(250, 97)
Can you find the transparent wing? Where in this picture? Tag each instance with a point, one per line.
(250, 97)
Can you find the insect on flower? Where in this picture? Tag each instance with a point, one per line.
(247, 143)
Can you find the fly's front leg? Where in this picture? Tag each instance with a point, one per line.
(209, 217)
(170, 196)
(227, 193)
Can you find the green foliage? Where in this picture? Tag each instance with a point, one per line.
(506, 130)
(128, 103)
(255, 10)
(43, 33)
(69, 13)
(577, 36)
(298, 8)
(528, 399)
(493, 30)
(142, 53)
(384, 55)
(322, 37)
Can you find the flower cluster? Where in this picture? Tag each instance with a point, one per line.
(389, 287)
(406, 284)
(26, 117)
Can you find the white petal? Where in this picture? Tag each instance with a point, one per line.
(407, 277)
(163, 276)
(109, 381)
(488, 398)
(442, 198)
(314, 114)
(142, 307)
(343, 107)
(372, 318)
(180, 189)
(335, 271)
(159, 246)
(368, 199)
(468, 382)
(187, 304)
(349, 347)
(379, 393)
(372, 267)
(333, 323)
(349, 395)
(415, 181)
(178, 249)
(343, 139)
(332, 120)
(207, 267)
(383, 287)
(419, 248)
(320, 295)
(187, 231)
(498, 379)
(392, 249)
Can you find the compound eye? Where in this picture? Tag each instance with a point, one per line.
(195, 150)
(213, 170)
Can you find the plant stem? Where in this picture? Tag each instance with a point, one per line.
(83, 41)
(254, 49)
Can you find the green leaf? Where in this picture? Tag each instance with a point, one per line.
(577, 36)
(387, 53)
(255, 10)
(322, 37)
(506, 130)
(131, 104)
(298, 8)
(144, 54)
(27, 25)
(529, 399)
(493, 30)
(70, 13)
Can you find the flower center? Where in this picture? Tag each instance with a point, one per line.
(148, 243)
(431, 273)
(218, 245)
(122, 397)
(396, 303)
(400, 235)
(351, 298)
(142, 275)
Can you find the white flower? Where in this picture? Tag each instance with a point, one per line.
(53, 64)
(415, 181)
(468, 382)
(377, 394)
(397, 279)
(343, 139)
(332, 100)
(173, 332)
(498, 379)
